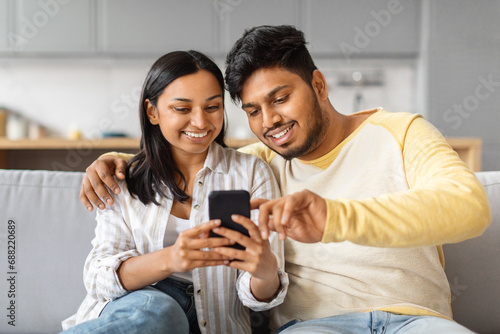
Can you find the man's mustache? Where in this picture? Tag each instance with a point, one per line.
(278, 126)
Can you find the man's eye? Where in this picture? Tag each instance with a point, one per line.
(281, 99)
(253, 112)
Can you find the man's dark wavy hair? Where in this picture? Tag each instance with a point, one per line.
(154, 167)
(266, 47)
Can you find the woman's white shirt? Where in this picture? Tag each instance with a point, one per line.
(175, 226)
(130, 228)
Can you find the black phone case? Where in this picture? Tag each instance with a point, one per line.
(224, 203)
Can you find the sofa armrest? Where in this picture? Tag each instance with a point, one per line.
(473, 269)
(45, 234)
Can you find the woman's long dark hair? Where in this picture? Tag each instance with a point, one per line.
(154, 165)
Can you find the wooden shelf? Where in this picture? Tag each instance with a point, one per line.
(61, 143)
(469, 150)
(107, 143)
(66, 150)
(237, 143)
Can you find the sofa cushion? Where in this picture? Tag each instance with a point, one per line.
(42, 216)
(473, 269)
(52, 239)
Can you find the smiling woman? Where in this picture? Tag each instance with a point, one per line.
(152, 248)
(178, 96)
(189, 112)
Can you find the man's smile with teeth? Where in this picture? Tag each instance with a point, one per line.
(282, 133)
(196, 135)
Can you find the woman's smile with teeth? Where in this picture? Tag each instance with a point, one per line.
(282, 133)
(196, 135)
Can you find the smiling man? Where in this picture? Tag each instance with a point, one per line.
(275, 123)
(368, 198)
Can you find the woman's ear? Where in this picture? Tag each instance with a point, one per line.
(151, 112)
(319, 85)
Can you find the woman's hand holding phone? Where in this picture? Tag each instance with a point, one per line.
(187, 253)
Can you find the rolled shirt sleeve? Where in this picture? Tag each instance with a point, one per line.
(113, 244)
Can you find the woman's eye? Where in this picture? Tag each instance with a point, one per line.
(213, 108)
(180, 109)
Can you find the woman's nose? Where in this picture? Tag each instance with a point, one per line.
(199, 119)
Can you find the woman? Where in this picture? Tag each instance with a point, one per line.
(153, 268)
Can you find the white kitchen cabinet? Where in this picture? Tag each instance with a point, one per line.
(155, 27)
(363, 28)
(238, 15)
(146, 28)
(53, 26)
(4, 26)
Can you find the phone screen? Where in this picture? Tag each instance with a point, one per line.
(224, 203)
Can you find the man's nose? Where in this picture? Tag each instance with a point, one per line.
(269, 118)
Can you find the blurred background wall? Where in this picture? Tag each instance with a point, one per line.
(79, 65)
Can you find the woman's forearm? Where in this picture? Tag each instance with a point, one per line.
(143, 270)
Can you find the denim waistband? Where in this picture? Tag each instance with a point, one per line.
(185, 286)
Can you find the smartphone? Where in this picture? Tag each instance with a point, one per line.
(224, 203)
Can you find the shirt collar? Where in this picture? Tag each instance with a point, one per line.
(216, 159)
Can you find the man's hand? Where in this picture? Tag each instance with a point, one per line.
(98, 176)
(300, 216)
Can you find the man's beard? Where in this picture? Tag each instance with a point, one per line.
(317, 125)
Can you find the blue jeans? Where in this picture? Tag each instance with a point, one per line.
(167, 307)
(376, 322)
(183, 293)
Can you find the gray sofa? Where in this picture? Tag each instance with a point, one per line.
(41, 277)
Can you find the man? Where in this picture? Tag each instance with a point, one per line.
(369, 198)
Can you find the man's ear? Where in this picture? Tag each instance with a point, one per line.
(319, 85)
(152, 112)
